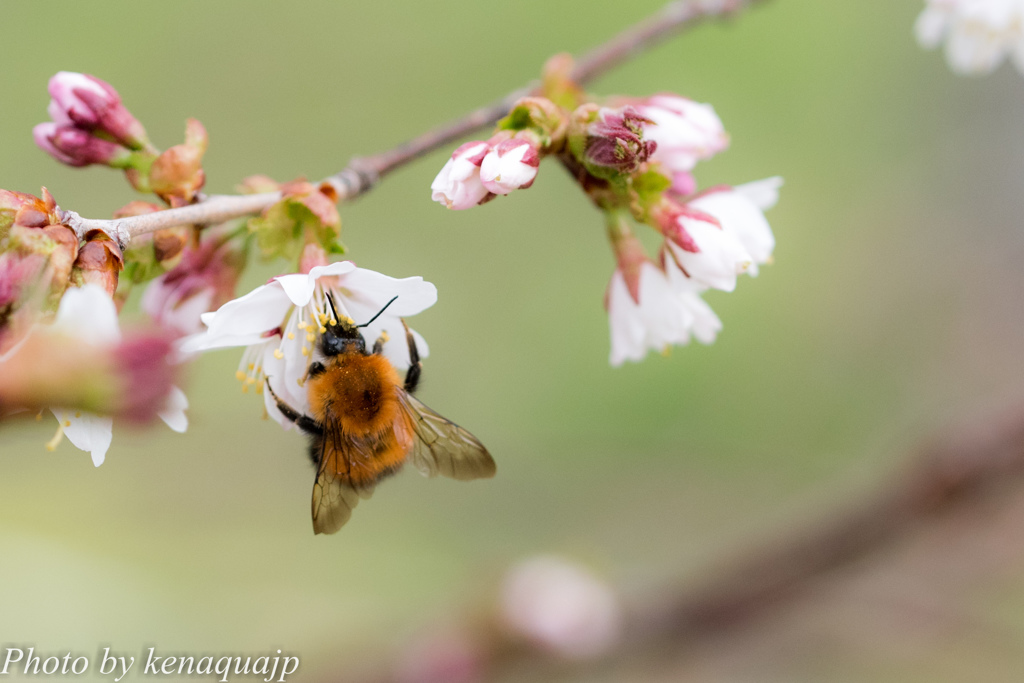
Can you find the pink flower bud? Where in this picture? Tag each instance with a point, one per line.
(510, 165)
(76, 147)
(87, 103)
(458, 186)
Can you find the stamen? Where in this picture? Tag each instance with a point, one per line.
(39, 416)
(51, 445)
(305, 351)
(291, 335)
(240, 376)
(322, 329)
(252, 366)
(310, 337)
(278, 354)
(385, 336)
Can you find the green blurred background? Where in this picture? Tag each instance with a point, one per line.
(893, 307)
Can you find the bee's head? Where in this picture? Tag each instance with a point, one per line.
(345, 337)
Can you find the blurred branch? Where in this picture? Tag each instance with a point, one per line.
(364, 173)
(947, 484)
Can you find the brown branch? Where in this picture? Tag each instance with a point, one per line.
(364, 173)
(956, 476)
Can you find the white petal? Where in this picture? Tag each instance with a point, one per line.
(88, 432)
(89, 314)
(763, 193)
(365, 293)
(300, 286)
(741, 219)
(174, 410)
(259, 311)
(930, 27)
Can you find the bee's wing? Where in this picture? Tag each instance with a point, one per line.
(443, 447)
(333, 497)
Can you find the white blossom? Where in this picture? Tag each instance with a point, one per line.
(978, 34)
(666, 314)
(686, 131)
(280, 323)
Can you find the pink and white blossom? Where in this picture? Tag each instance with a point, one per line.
(89, 315)
(562, 607)
(279, 323)
(979, 35)
(510, 165)
(459, 186)
(203, 281)
(686, 132)
(722, 233)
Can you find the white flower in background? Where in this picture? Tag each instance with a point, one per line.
(561, 606)
(704, 325)
(280, 323)
(686, 132)
(979, 34)
(654, 319)
(719, 256)
(723, 233)
(510, 165)
(458, 186)
(90, 316)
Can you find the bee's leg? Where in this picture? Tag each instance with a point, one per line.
(412, 377)
(303, 422)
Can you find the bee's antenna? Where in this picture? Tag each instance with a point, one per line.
(379, 312)
(330, 299)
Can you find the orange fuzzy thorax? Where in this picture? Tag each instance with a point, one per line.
(358, 392)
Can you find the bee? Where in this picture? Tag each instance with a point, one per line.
(365, 423)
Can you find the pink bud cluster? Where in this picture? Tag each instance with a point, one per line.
(634, 158)
(479, 171)
(89, 123)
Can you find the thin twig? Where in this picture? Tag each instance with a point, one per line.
(363, 173)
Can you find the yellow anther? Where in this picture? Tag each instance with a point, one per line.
(250, 380)
(39, 416)
(322, 317)
(78, 413)
(322, 329)
(291, 335)
(259, 388)
(252, 366)
(385, 336)
(301, 325)
(305, 351)
(240, 376)
(310, 337)
(333, 321)
(278, 354)
(245, 388)
(666, 351)
(67, 423)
